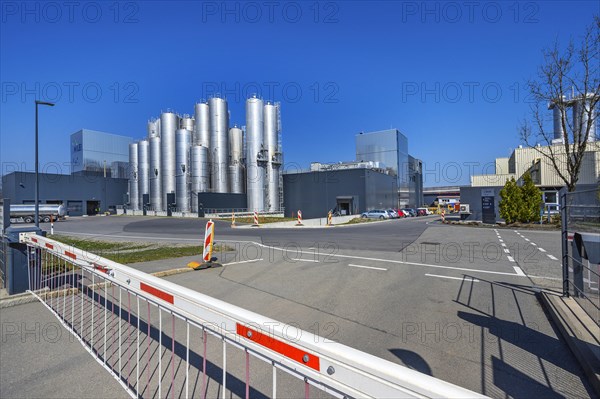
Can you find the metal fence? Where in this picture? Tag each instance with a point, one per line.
(159, 339)
(580, 219)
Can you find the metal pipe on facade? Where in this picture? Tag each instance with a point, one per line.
(219, 146)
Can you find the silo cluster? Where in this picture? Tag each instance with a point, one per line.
(580, 111)
(185, 155)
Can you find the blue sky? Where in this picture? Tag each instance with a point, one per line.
(450, 75)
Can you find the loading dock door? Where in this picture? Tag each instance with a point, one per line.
(345, 205)
(92, 207)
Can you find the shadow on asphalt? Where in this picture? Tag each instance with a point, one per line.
(412, 360)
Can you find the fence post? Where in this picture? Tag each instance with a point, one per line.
(564, 243)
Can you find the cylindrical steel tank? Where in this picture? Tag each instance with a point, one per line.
(143, 170)
(557, 118)
(581, 109)
(236, 167)
(202, 124)
(133, 177)
(199, 173)
(271, 144)
(187, 122)
(156, 197)
(183, 141)
(168, 126)
(153, 128)
(255, 171)
(219, 144)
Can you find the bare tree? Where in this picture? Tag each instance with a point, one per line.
(568, 80)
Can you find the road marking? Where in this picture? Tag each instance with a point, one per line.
(510, 258)
(242, 261)
(453, 278)
(542, 249)
(527, 239)
(518, 270)
(552, 257)
(305, 260)
(503, 244)
(534, 244)
(516, 231)
(501, 240)
(506, 250)
(367, 267)
(546, 278)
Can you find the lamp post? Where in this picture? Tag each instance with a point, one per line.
(37, 176)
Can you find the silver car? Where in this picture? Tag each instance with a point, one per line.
(375, 214)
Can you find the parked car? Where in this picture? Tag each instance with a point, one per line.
(393, 214)
(411, 212)
(424, 210)
(375, 214)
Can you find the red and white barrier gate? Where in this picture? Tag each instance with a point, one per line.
(138, 327)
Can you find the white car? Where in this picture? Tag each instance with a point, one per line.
(375, 214)
(427, 211)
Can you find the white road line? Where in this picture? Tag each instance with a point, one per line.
(506, 250)
(385, 260)
(367, 267)
(305, 260)
(516, 231)
(542, 249)
(518, 270)
(534, 244)
(503, 244)
(501, 240)
(552, 257)
(242, 261)
(545, 278)
(453, 278)
(510, 258)
(527, 239)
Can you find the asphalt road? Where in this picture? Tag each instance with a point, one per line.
(449, 301)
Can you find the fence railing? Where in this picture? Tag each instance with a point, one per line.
(159, 339)
(580, 219)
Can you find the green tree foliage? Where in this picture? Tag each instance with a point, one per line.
(531, 200)
(510, 202)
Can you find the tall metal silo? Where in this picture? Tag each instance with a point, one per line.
(155, 173)
(153, 128)
(143, 170)
(133, 177)
(271, 143)
(255, 171)
(236, 167)
(183, 141)
(219, 144)
(202, 124)
(168, 126)
(199, 173)
(186, 122)
(581, 109)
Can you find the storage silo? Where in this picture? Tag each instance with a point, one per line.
(143, 170)
(202, 124)
(219, 146)
(133, 177)
(255, 171)
(168, 126)
(183, 141)
(581, 109)
(199, 173)
(186, 122)
(271, 143)
(153, 128)
(557, 107)
(156, 196)
(236, 167)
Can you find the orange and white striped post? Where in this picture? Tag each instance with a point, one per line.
(209, 237)
(443, 216)
(255, 219)
(232, 219)
(299, 218)
(329, 222)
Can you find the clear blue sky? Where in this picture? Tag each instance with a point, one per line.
(450, 76)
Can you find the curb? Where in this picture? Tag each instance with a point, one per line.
(580, 332)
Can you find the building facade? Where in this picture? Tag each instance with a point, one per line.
(93, 151)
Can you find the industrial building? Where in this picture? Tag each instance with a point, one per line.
(184, 156)
(345, 188)
(80, 193)
(93, 151)
(389, 148)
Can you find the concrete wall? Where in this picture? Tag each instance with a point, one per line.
(472, 197)
(20, 188)
(315, 193)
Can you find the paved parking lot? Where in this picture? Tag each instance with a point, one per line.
(450, 301)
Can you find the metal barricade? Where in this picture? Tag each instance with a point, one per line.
(580, 220)
(159, 339)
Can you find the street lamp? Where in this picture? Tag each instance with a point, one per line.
(37, 176)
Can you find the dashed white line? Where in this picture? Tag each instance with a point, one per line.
(534, 244)
(527, 239)
(518, 271)
(367, 267)
(552, 257)
(541, 249)
(305, 260)
(501, 240)
(454, 278)
(503, 244)
(510, 258)
(242, 261)
(506, 250)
